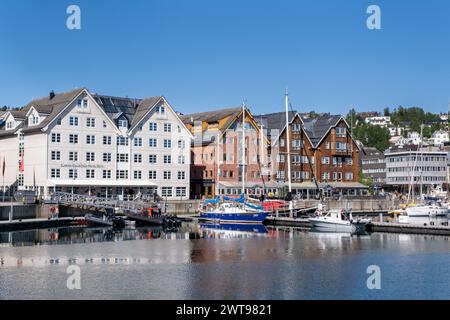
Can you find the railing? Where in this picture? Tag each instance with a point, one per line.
(71, 199)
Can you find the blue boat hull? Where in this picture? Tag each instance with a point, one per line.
(254, 217)
(247, 227)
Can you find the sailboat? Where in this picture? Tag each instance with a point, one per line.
(430, 209)
(233, 210)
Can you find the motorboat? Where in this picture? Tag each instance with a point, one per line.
(105, 221)
(334, 220)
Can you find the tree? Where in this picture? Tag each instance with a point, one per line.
(4, 108)
(373, 136)
(386, 112)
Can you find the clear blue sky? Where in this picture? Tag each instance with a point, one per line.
(205, 54)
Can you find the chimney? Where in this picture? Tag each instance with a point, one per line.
(51, 95)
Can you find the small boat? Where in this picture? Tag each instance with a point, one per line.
(334, 221)
(105, 221)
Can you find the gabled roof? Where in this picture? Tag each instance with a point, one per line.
(317, 128)
(211, 116)
(275, 121)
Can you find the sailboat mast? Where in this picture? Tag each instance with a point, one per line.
(218, 165)
(243, 149)
(288, 142)
(421, 159)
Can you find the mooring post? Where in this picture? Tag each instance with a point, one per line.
(11, 211)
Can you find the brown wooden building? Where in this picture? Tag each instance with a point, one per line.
(324, 155)
(218, 139)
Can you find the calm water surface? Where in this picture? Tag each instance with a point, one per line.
(203, 262)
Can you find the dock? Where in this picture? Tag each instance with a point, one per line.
(6, 226)
(391, 227)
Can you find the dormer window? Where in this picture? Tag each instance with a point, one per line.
(10, 125)
(123, 123)
(33, 120)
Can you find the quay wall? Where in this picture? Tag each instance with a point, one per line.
(21, 211)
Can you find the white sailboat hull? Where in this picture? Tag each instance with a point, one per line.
(426, 211)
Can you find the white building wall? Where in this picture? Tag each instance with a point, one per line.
(9, 150)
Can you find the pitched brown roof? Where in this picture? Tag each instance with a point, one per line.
(210, 116)
(52, 107)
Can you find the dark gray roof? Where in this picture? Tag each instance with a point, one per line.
(370, 152)
(316, 128)
(276, 120)
(133, 109)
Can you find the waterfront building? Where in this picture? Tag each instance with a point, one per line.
(373, 166)
(218, 140)
(87, 143)
(322, 150)
(406, 165)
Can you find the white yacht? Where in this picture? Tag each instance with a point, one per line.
(334, 221)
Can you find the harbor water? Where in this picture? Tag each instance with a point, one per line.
(210, 262)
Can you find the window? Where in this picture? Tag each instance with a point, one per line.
(85, 103)
(137, 142)
(122, 141)
(181, 175)
(167, 175)
(167, 143)
(90, 122)
(341, 132)
(73, 121)
(181, 159)
(341, 146)
(152, 142)
(122, 174)
(161, 109)
(325, 160)
(90, 139)
(167, 159)
(90, 174)
(167, 127)
(325, 175)
(327, 145)
(90, 156)
(138, 158)
(107, 140)
(104, 124)
(58, 121)
(181, 144)
(56, 137)
(106, 174)
(137, 175)
(56, 173)
(73, 173)
(181, 191)
(349, 161)
(122, 123)
(122, 157)
(152, 175)
(152, 126)
(152, 158)
(56, 155)
(73, 138)
(280, 175)
(348, 176)
(73, 156)
(106, 157)
(166, 191)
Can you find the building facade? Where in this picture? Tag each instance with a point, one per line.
(373, 166)
(323, 154)
(84, 143)
(406, 166)
(217, 154)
